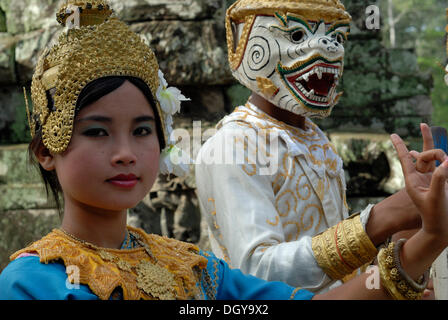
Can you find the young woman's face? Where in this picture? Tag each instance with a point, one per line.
(112, 160)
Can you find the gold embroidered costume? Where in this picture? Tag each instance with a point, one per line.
(173, 271)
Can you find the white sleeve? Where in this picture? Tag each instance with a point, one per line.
(238, 208)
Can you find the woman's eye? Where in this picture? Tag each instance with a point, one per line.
(95, 132)
(298, 36)
(143, 131)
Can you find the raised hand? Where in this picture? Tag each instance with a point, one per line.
(426, 184)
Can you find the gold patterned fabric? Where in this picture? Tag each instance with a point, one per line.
(100, 46)
(343, 248)
(172, 273)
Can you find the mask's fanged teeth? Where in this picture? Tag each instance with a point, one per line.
(319, 73)
(311, 93)
(306, 77)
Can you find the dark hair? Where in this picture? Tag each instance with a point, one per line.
(90, 94)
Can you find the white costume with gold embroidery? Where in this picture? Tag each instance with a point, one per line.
(263, 223)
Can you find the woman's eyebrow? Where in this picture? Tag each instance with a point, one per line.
(144, 119)
(95, 118)
(99, 118)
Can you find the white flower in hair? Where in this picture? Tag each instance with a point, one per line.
(162, 80)
(173, 161)
(169, 98)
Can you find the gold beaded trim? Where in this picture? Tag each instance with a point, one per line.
(327, 10)
(343, 248)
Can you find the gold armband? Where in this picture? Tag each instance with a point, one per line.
(343, 248)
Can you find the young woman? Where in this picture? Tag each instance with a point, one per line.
(100, 123)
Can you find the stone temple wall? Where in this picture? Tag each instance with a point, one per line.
(384, 93)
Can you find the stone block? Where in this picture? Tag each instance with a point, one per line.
(11, 104)
(189, 53)
(147, 10)
(7, 55)
(28, 15)
(28, 49)
(16, 168)
(19, 229)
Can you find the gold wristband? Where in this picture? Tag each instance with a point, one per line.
(392, 279)
(343, 248)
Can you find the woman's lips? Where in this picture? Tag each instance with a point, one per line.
(126, 181)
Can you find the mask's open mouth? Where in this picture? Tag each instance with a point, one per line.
(314, 83)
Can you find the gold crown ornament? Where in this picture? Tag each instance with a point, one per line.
(96, 45)
(245, 11)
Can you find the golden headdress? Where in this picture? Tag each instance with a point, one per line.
(96, 45)
(245, 11)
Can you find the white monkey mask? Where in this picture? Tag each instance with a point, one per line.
(295, 61)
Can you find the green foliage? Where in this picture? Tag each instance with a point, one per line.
(238, 95)
(19, 129)
(420, 25)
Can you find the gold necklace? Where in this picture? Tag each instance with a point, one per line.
(91, 245)
(152, 278)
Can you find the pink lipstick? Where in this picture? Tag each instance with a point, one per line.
(126, 181)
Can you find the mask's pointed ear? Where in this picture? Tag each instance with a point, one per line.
(321, 28)
(45, 158)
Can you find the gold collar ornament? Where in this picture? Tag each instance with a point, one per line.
(160, 268)
(96, 45)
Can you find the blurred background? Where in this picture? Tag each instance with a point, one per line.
(393, 81)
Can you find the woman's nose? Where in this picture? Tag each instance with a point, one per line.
(123, 154)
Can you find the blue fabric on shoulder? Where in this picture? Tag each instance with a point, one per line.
(28, 279)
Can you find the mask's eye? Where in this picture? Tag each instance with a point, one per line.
(339, 38)
(298, 36)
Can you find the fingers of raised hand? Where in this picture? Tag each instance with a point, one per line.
(404, 156)
(425, 161)
(438, 181)
(428, 141)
